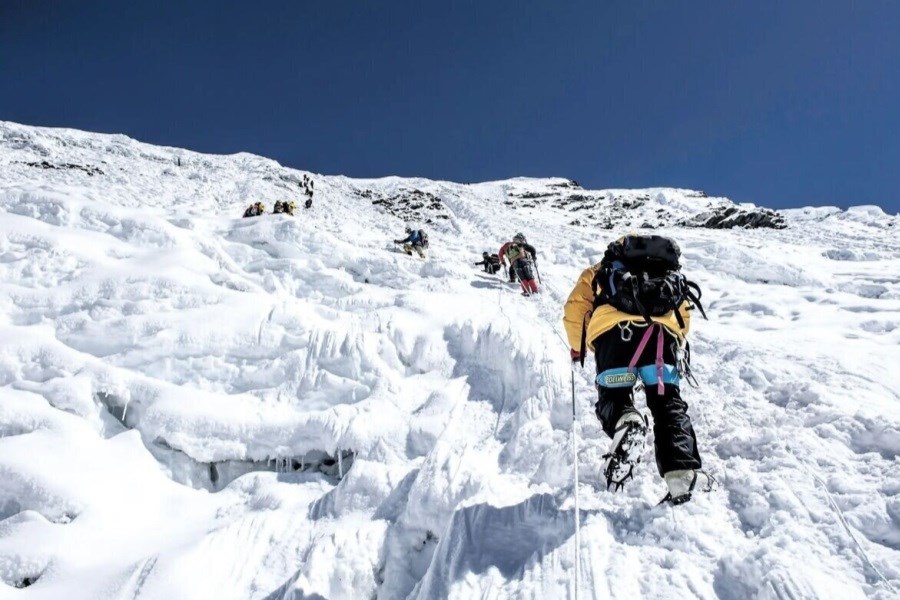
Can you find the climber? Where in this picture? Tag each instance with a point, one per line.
(632, 310)
(286, 207)
(522, 259)
(254, 210)
(416, 240)
(491, 263)
(518, 238)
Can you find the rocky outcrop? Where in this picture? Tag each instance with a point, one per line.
(411, 205)
(729, 217)
(90, 170)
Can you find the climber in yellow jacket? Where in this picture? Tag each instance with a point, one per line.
(633, 311)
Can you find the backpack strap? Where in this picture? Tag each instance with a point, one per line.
(583, 348)
(689, 292)
(616, 266)
(604, 272)
(641, 309)
(685, 366)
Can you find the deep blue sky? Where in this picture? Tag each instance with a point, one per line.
(778, 103)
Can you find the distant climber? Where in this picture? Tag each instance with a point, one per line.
(286, 207)
(522, 259)
(520, 239)
(633, 311)
(415, 240)
(306, 184)
(490, 262)
(525, 269)
(254, 210)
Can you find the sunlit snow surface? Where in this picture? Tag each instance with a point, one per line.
(177, 385)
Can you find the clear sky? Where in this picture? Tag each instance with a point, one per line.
(781, 103)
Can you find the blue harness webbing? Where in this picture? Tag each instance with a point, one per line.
(658, 373)
(628, 376)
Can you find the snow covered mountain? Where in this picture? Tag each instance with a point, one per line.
(195, 405)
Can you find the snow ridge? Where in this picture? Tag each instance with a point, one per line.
(194, 405)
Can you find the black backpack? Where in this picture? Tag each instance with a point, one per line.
(641, 275)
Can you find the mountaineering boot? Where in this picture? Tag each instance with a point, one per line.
(626, 449)
(682, 482)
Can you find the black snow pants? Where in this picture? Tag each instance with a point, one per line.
(675, 441)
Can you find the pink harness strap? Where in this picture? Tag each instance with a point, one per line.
(641, 346)
(660, 386)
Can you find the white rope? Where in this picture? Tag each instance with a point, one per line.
(843, 521)
(575, 462)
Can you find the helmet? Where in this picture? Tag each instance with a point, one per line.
(485, 254)
(519, 237)
(408, 229)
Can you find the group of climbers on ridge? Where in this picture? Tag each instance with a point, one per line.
(281, 207)
(286, 207)
(308, 186)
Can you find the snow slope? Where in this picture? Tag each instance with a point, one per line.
(194, 405)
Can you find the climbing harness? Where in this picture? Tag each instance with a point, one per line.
(658, 373)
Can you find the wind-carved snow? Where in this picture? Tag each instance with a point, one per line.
(194, 405)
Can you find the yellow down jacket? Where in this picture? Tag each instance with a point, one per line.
(578, 307)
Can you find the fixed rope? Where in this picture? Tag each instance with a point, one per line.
(575, 462)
